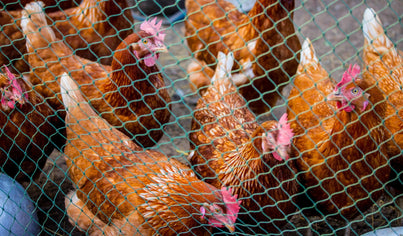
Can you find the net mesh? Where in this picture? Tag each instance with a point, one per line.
(322, 193)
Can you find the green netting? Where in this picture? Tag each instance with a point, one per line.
(336, 31)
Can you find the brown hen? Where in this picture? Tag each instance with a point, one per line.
(125, 190)
(131, 94)
(26, 127)
(93, 30)
(231, 149)
(339, 144)
(51, 5)
(264, 37)
(384, 65)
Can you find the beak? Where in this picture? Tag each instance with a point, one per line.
(19, 99)
(335, 96)
(283, 152)
(230, 227)
(160, 49)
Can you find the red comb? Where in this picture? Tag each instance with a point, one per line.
(233, 205)
(153, 28)
(349, 75)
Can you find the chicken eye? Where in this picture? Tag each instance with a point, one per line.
(145, 41)
(217, 210)
(354, 91)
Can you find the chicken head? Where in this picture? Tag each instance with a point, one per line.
(348, 94)
(11, 91)
(149, 47)
(278, 141)
(217, 216)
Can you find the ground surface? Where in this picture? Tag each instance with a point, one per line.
(333, 26)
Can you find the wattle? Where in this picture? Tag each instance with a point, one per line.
(344, 106)
(150, 59)
(277, 156)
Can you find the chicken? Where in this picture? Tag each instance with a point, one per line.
(265, 37)
(231, 149)
(383, 64)
(338, 138)
(93, 30)
(125, 190)
(17, 211)
(131, 94)
(12, 43)
(26, 125)
(52, 5)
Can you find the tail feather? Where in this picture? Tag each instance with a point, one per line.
(308, 56)
(71, 94)
(35, 27)
(222, 76)
(374, 33)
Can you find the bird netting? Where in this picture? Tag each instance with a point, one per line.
(191, 109)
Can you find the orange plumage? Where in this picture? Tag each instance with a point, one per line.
(125, 190)
(93, 29)
(384, 65)
(129, 94)
(339, 144)
(231, 149)
(264, 37)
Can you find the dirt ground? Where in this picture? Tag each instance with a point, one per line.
(334, 27)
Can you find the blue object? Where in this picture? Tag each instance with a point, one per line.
(394, 231)
(17, 211)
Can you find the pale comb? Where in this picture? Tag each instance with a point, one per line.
(13, 80)
(153, 28)
(285, 133)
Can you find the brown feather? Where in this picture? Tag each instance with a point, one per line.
(120, 95)
(341, 157)
(214, 26)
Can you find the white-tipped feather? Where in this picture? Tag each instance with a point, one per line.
(373, 30)
(308, 53)
(35, 26)
(222, 76)
(70, 93)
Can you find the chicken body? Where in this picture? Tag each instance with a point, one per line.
(229, 150)
(339, 145)
(26, 125)
(265, 37)
(384, 65)
(125, 190)
(129, 94)
(93, 30)
(52, 5)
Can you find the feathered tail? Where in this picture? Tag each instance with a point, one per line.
(222, 77)
(374, 33)
(82, 119)
(35, 27)
(308, 57)
(70, 93)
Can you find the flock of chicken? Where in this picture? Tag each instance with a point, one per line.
(332, 153)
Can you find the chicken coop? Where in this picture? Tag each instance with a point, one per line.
(201, 117)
